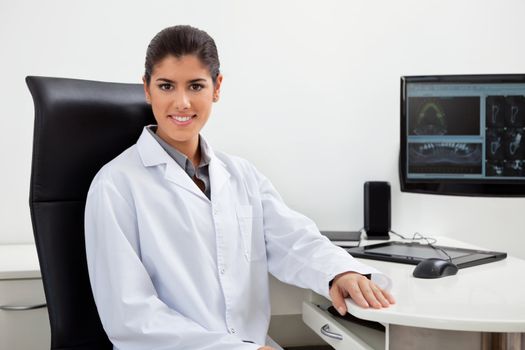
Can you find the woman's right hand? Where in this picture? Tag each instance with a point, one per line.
(266, 348)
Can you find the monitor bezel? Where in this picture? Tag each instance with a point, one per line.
(457, 187)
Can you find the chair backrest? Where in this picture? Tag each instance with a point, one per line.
(79, 126)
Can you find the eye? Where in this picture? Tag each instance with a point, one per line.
(165, 86)
(196, 87)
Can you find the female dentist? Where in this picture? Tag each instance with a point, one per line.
(180, 238)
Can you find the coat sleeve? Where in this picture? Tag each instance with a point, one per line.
(131, 313)
(298, 253)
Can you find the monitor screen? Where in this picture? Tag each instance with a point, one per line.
(463, 135)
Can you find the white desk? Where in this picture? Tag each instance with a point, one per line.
(470, 301)
(484, 298)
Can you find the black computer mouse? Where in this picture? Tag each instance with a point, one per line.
(434, 268)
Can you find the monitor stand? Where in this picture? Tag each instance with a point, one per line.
(376, 236)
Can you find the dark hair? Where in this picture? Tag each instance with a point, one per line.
(179, 41)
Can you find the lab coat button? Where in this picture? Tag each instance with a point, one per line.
(222, 271)
(232, 330)
(215, 211)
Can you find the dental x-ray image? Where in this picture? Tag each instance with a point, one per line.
(515, 113)
(505, 136)
(514, 144)
(445, 158)
(495, 149)
(505, 152)
(494, 168)
(464, 132)
(505, 111)
(444, 115)
(495, 111)
(514, 168)
(500, 168)
(504, 147)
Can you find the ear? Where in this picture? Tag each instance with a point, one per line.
(217, 88)
(146, 90)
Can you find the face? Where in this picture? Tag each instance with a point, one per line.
(181, 93)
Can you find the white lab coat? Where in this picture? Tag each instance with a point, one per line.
(171, 269)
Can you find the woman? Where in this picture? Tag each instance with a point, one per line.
(180, 238)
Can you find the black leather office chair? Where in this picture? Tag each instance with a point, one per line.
(79, 126)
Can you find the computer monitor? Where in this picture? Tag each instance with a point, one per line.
(463, 135)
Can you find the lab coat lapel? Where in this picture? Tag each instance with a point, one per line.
(174, 173)
(217, 169)
(153, 154)
(218, 175)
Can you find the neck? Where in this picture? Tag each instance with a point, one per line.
(189, 148)
(193, 152)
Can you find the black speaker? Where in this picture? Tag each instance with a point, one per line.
(377, 209)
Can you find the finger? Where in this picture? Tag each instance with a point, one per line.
(338, 300)
(355, 293)
(369, 294)
(389, 297)
(379, 295)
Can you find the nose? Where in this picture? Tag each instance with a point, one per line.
(181, 101)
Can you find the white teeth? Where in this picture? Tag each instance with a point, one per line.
(181, 119)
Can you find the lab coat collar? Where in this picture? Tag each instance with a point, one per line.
(152, 154)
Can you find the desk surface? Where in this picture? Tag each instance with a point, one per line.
(18, 261)
(486, 298)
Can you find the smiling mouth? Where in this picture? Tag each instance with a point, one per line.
(181, 119)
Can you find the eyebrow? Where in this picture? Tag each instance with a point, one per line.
(191, 81)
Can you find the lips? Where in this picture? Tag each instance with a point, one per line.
(181, 119)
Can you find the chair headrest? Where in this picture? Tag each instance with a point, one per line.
(80, 125)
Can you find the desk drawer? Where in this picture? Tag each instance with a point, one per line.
(352, 336)
(23, 325)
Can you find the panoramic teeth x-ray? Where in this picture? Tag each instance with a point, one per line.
(445, 157)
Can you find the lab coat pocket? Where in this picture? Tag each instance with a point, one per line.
(252, 234)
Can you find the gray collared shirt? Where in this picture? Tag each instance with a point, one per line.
(202, 171)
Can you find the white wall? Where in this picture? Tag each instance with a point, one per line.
(311, 93)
